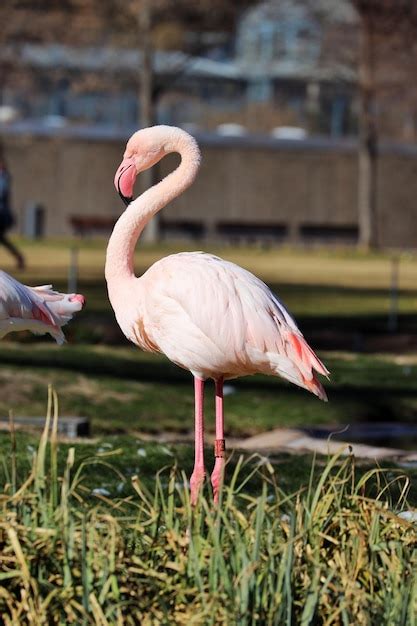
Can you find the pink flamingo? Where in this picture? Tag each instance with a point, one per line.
(207, 315)
(38, 309)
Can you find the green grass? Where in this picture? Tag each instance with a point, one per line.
(330, 551)
(340, 298)
(124, 390)
(339, 290)
(114, 459)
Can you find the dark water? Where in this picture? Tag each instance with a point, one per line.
(383, 434)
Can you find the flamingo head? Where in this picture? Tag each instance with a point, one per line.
(145, 148)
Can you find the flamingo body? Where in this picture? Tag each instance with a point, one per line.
(217, 320)
(207, 315)
(37, 309)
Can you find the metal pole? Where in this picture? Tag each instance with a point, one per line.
(394, 289)
(73, 270)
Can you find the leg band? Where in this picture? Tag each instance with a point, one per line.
(219, 448)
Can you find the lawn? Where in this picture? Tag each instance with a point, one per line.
(339, 297)
(122, 390)
(313, 283)
(101, 531)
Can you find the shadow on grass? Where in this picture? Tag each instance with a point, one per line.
(364, 389)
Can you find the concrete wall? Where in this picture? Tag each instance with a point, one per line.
(307, 190)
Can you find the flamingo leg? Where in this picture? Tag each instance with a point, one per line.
(199, 471)
(219, 444)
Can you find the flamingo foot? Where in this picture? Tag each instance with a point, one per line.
(196, 483)
(217, 478)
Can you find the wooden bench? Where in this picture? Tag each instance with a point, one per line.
(250, 232)
(182, 229)
(87, 225)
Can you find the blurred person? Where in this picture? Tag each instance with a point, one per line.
(6, 215)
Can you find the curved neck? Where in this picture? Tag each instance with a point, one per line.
(121, 246)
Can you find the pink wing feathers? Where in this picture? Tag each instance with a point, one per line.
(38, 309)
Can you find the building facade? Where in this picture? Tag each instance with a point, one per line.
(249, 188)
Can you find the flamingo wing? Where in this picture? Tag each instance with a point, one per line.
(215, 318)
(38, 309)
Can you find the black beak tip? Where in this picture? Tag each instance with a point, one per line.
(126, 201)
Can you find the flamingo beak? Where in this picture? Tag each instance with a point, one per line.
(77, 297)
(124, 180)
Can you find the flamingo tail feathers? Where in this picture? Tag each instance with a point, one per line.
(308, 363)
(306, 354)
